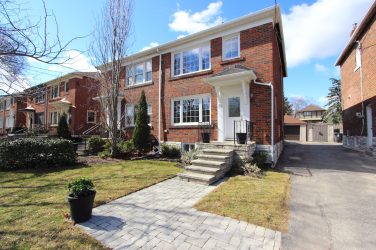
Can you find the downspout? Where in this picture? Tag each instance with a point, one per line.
(272, 114)
(159, 100)
(361, 85)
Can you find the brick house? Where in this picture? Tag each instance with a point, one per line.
(310, 114)
(231, 72)
(11, 119)
(71, 94)
(358, 78)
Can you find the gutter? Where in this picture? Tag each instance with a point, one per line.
(272, 114)
(159, 100)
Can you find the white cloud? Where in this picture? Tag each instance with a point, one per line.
(73, 60)
(151, 45)
(187, 22)
(321, 68)
(322, 100)
(320, 30)
(181, 36)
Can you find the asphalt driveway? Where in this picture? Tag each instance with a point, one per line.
(333, 197)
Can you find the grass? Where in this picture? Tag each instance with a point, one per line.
(263, 202)
(33, 204)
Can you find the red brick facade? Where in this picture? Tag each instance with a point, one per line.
(18, 117)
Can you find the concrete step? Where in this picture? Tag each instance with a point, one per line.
(203, 170)
(197, 178)
(214, 151)
(205, 163)
(221, 158)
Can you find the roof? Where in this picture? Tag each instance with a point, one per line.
(232, 70)
(290, 120)
(272, 14)
(311, 108)
(367, 20)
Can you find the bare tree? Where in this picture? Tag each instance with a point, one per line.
(108, 49)
(21, 39)
(298, 103)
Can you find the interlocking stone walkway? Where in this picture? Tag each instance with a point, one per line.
(162, 217)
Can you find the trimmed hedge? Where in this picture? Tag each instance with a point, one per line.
(36, 153)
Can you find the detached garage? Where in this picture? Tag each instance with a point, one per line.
(294, 129)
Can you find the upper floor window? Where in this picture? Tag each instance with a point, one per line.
(7, 103)
(192, 60)
(139, 73)
(230, 47)
(39, 98)
(55, 91)
(66, 87)
(191, 110)
(307, 113)
(358, 61)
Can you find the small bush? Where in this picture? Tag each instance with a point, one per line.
(80, 187)
(36, 153)
(250, 168)
(259, 159)
(170, 151)
(189, 156)
(96, 145)
(126, 147)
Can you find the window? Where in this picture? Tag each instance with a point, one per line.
(131, 112)
(234, 107)
(55, 91)
(192, 60)
(54, 118)
(230, 47)
(187, 147)
(191, 110)
(90, 116)
(358, 60)
(66, 87)
(139, 73)
(7, 104)
(307, 113)
(9, 121)
(39, 98)
(1, 105)
(39, 118)
(1, 122)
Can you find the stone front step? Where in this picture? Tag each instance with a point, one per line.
(206, 163)
(203, 170)
(197, 177)
(213, 157)
(214, 151)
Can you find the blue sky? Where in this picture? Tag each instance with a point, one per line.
(315, 33)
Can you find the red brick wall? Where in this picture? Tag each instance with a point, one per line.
(351, 83)
(258, 52)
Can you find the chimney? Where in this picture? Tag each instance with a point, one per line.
(355, 25)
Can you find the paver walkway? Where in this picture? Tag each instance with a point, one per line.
(162, 217)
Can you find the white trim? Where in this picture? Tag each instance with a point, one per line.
(52, 91)
(87, 116)
(181, 98)
(57, 118)
(224, 38)
(144, 73)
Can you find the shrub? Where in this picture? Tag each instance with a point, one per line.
(250, 168)
(141, 132)
(36, 153)
(259, 158)
(126, 147)
(63, 129)
(170, 151)
(96, 145)
(189, 156)
(80, 187)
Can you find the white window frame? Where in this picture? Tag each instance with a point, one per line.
(8, 122)
(237, 35)
(132, 107)
(358, 58)
(42, 99)
(200, 48)
(66, 87)
(181, 99)
(53, 91)
(57, 118)
(133, 70)
(183, 144)
(7, 104)
(87, 116)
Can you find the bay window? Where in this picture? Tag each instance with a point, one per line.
(139, 73)
(192, 60)
(191, 110)
(230, 47)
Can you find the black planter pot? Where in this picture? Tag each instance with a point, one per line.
(241, 138)
(205, 137)
(81, 207)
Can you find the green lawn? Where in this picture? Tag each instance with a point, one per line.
(33, 205)
(263, 202)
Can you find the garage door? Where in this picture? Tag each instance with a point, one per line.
(292, 133)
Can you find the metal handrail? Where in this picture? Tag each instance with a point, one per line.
(243, 127)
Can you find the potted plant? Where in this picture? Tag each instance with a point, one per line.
(205, 136)
(81, 198)
(241, 138)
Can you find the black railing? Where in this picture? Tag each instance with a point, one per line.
(204, 132)
(243, 131)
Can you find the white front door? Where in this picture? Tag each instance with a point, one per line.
(369, 125)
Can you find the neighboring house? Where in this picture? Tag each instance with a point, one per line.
(358, 78)
(294, 129)
(71, 94)
(11, 120)
(231, 72)
(310, 114)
